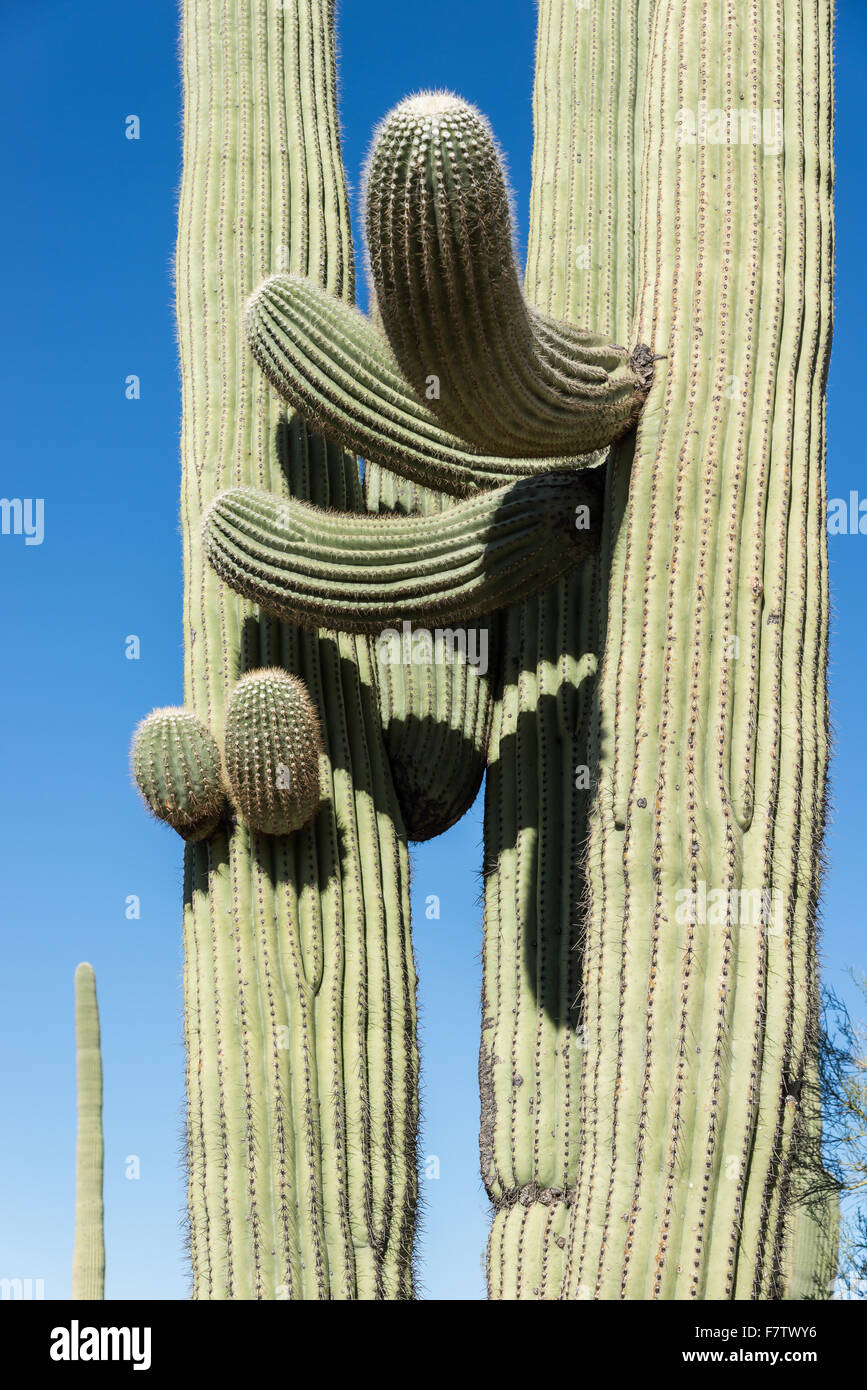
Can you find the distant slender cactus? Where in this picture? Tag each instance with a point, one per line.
(88, 1261)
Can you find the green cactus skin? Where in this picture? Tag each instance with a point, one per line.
(436, 716)
(299, 977)
(493, 370)
(712, 759)
(809, 1260)
(272, 742)
(326, 360)
(359, 573)
(88, 1260)
(176, 765)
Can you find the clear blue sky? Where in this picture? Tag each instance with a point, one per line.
(86, 244)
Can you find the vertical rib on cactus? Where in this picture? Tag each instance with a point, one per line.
(580, 267)
(88, 1260)
(713, 750)
(299, 977)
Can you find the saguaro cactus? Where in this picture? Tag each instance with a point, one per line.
(299, 987)
(642, 1057)
(88, 1260)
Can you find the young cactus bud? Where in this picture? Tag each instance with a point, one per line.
(272, 746)
(491, 368)
(176, 765)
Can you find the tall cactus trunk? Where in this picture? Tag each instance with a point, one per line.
(664, 1172)
(704, 850)
(299, 976)
(581, 266)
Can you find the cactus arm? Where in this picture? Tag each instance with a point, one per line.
(88, 1260)
(299, 978)
(326, 360)
(436, 716)
(359, 572)
(508, 377)
(272, 747)
(715, 772)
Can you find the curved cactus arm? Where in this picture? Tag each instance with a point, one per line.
(357, 573)
(88, 1261)
(436, 713)
(498, 373)
(324, 358)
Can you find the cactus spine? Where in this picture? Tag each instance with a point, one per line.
(88, 1260)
